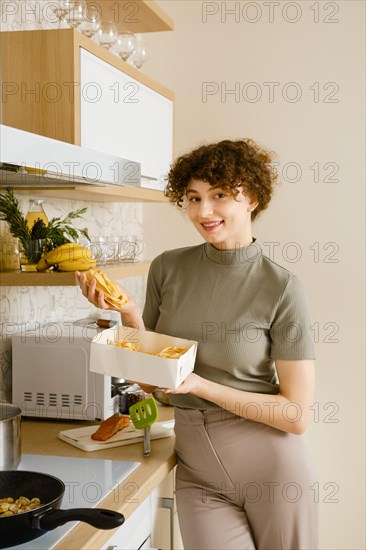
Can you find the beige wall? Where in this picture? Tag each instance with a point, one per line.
(325, 219)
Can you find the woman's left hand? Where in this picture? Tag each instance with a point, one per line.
(192, 384)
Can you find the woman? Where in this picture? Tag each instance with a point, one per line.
(244, 476)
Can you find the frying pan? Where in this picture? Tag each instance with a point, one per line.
(29, 525)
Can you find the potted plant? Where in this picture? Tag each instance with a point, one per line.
(40, 238)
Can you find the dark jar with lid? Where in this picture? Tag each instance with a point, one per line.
(128, 396)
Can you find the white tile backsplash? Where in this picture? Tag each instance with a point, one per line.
(23, 307)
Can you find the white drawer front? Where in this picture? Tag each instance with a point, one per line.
(134, 532)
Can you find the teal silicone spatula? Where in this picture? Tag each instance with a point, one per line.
(143, 415)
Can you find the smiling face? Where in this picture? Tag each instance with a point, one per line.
(223, 220)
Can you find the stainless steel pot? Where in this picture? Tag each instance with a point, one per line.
(10, 452)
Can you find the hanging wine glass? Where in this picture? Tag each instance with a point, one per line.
(75, 16)
(124, 45)
(61, 9)
(91, 22)
(139, 55)
(107, 34)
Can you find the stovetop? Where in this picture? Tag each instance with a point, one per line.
(87, 482)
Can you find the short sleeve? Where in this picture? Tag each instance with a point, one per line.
(150, 314)
(291, 336)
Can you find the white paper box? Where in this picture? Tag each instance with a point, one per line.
(141, 367)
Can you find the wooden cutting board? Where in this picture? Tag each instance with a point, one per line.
(80, 437)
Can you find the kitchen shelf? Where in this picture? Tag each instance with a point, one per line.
(138, 16)
(109, 193)
(114, 271)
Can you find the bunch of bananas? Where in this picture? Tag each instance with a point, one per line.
(67, 257)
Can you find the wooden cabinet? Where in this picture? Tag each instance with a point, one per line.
(62, 85)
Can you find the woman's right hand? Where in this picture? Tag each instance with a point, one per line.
(130, 311)
(95, 297)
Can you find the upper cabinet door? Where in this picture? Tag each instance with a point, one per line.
(121, 116)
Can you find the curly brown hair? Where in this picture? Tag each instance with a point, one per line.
(231, 165)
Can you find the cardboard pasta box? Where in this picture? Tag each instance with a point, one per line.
(111, 360)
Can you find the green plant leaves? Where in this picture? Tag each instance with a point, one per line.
(10, 213)
(58, 230)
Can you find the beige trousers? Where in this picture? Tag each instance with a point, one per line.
(242, 485)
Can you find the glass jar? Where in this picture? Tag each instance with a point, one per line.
(30, 252)
(35, 212)
(128, 396)
(9, 254)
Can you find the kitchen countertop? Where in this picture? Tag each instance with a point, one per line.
(40, 437)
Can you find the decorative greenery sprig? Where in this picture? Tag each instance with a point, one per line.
(58, 231)
(10, 213)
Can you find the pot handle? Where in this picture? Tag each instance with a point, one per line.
(97, 517)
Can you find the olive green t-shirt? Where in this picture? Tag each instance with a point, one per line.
(242, 308)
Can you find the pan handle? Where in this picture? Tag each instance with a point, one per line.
(97, 517)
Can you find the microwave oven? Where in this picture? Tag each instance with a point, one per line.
(51, 377)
